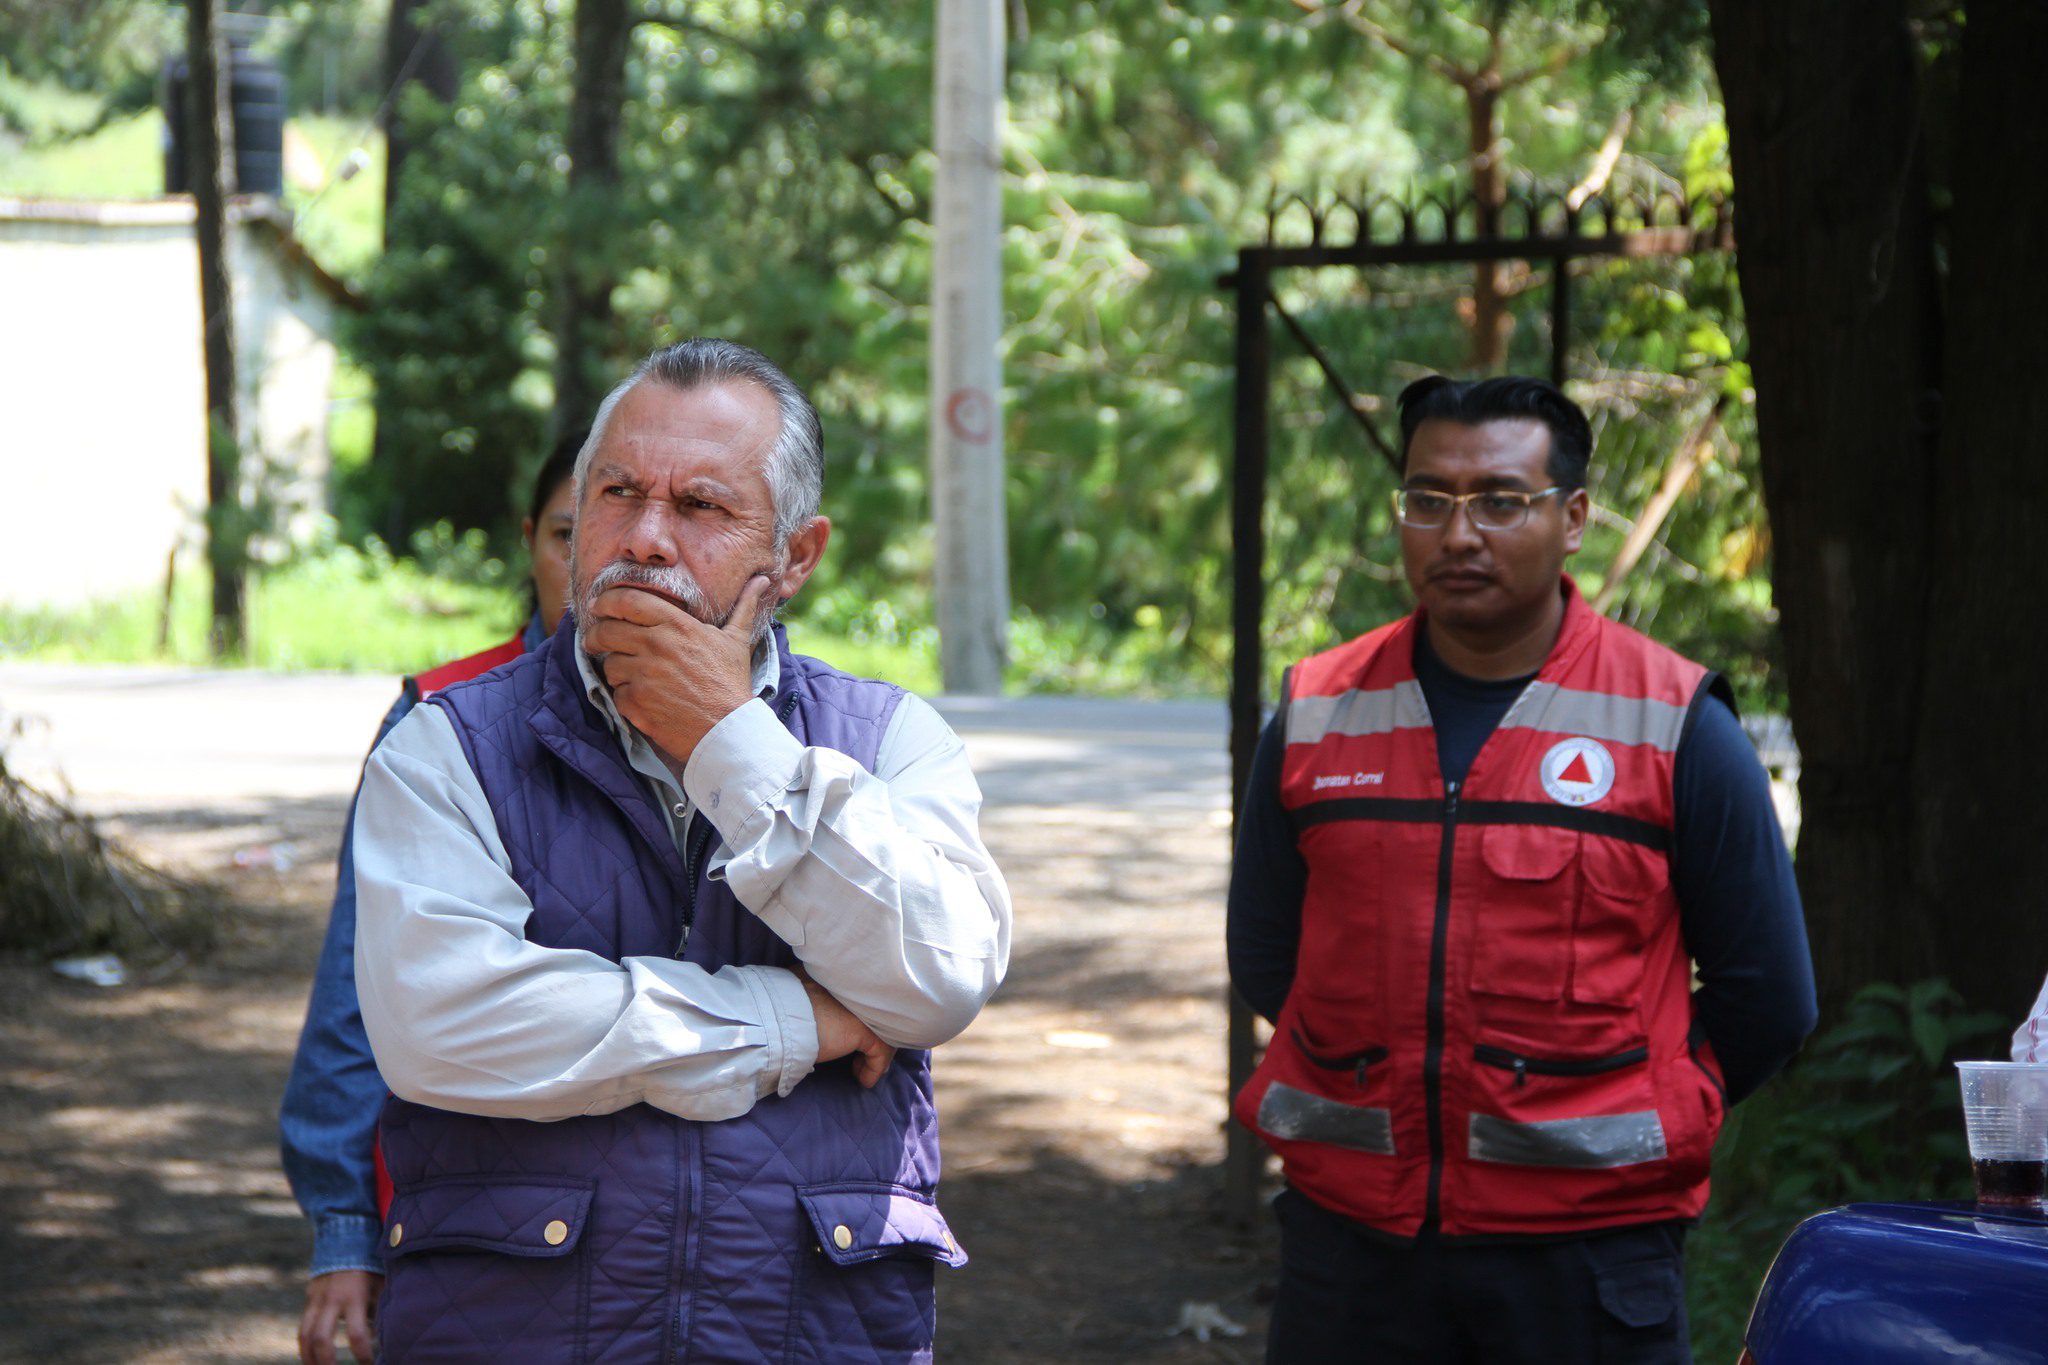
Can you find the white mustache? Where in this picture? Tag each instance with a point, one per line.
(672, 581)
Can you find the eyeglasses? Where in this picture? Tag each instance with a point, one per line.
(1496, 509)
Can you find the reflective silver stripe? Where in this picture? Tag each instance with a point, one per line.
(1296, 1114)
(1381, 711)
(1586, 1144)
(1596, 715)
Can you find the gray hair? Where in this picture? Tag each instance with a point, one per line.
(796, 462)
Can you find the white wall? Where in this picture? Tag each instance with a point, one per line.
(284, 325)
(102, 393)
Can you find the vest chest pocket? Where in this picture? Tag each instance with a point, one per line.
(1521, 921)
(1623, 885)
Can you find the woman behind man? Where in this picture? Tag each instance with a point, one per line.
(328, 1120)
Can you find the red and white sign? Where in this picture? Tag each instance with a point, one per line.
(971, 415)
(1577, 772)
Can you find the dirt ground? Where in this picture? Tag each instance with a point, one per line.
(143, 1216)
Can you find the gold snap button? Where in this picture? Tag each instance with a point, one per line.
(842, 1237)
(556, 1233)
(397, 1233)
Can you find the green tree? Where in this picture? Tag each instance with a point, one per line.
(774, 183)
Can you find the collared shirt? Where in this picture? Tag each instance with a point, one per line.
(878, 881)
(663, 774)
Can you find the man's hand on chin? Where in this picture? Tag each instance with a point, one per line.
(672, 676)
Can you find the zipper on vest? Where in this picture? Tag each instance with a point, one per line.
(696, 837)
(1488, 1055)
(1354, 1062)
(1433, 1055)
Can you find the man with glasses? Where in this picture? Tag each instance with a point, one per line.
(1485, 853)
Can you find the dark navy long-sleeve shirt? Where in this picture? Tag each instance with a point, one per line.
(1738, 905)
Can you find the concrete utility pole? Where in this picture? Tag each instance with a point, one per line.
(972, 569)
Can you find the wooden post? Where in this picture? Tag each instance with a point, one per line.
(212, 174)
(971, 572)
(1241, 1159)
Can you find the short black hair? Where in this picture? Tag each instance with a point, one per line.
(555, 471)
(559, 468)
(1507, 398)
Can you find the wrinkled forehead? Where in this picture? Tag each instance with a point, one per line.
(664, 436)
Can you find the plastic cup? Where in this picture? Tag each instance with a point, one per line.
(2005, 1113)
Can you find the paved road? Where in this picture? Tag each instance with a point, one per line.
(133, 739)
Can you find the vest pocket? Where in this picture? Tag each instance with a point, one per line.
(1521, 935)
(1319, 1094)
(508, 1242)
(1572, 1112)
(1353, 1062)
(865, 1285)
(1613, 920)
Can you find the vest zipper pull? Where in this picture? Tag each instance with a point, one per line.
(1450, 798)
(1521, 1071)
(1358, 1074)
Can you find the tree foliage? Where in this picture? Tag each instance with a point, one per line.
(775, 184)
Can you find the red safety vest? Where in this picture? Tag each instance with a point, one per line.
(1489, 1028)
(422, 686)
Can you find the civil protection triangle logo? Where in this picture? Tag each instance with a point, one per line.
(1577, 772)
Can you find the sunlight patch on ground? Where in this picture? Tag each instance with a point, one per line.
(106, 1124)
(236, 1277)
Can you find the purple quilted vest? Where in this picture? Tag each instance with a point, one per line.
(805, 1230)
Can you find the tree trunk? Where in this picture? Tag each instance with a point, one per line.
(1490, 320)
(1839, 289)
(212, 174)
(1978, 796)
(584, 276)
(412, 56)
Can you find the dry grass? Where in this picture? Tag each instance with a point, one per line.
(65, 889)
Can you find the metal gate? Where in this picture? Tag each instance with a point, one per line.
(1554, 228)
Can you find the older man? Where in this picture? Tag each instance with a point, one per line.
(656, 923)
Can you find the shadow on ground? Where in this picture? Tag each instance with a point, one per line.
(143, 1216)
(1069, 1265)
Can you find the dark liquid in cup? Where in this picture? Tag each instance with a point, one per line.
(2011, 1184)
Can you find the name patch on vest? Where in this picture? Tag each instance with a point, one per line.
(1577, 772)
(1328, 780)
